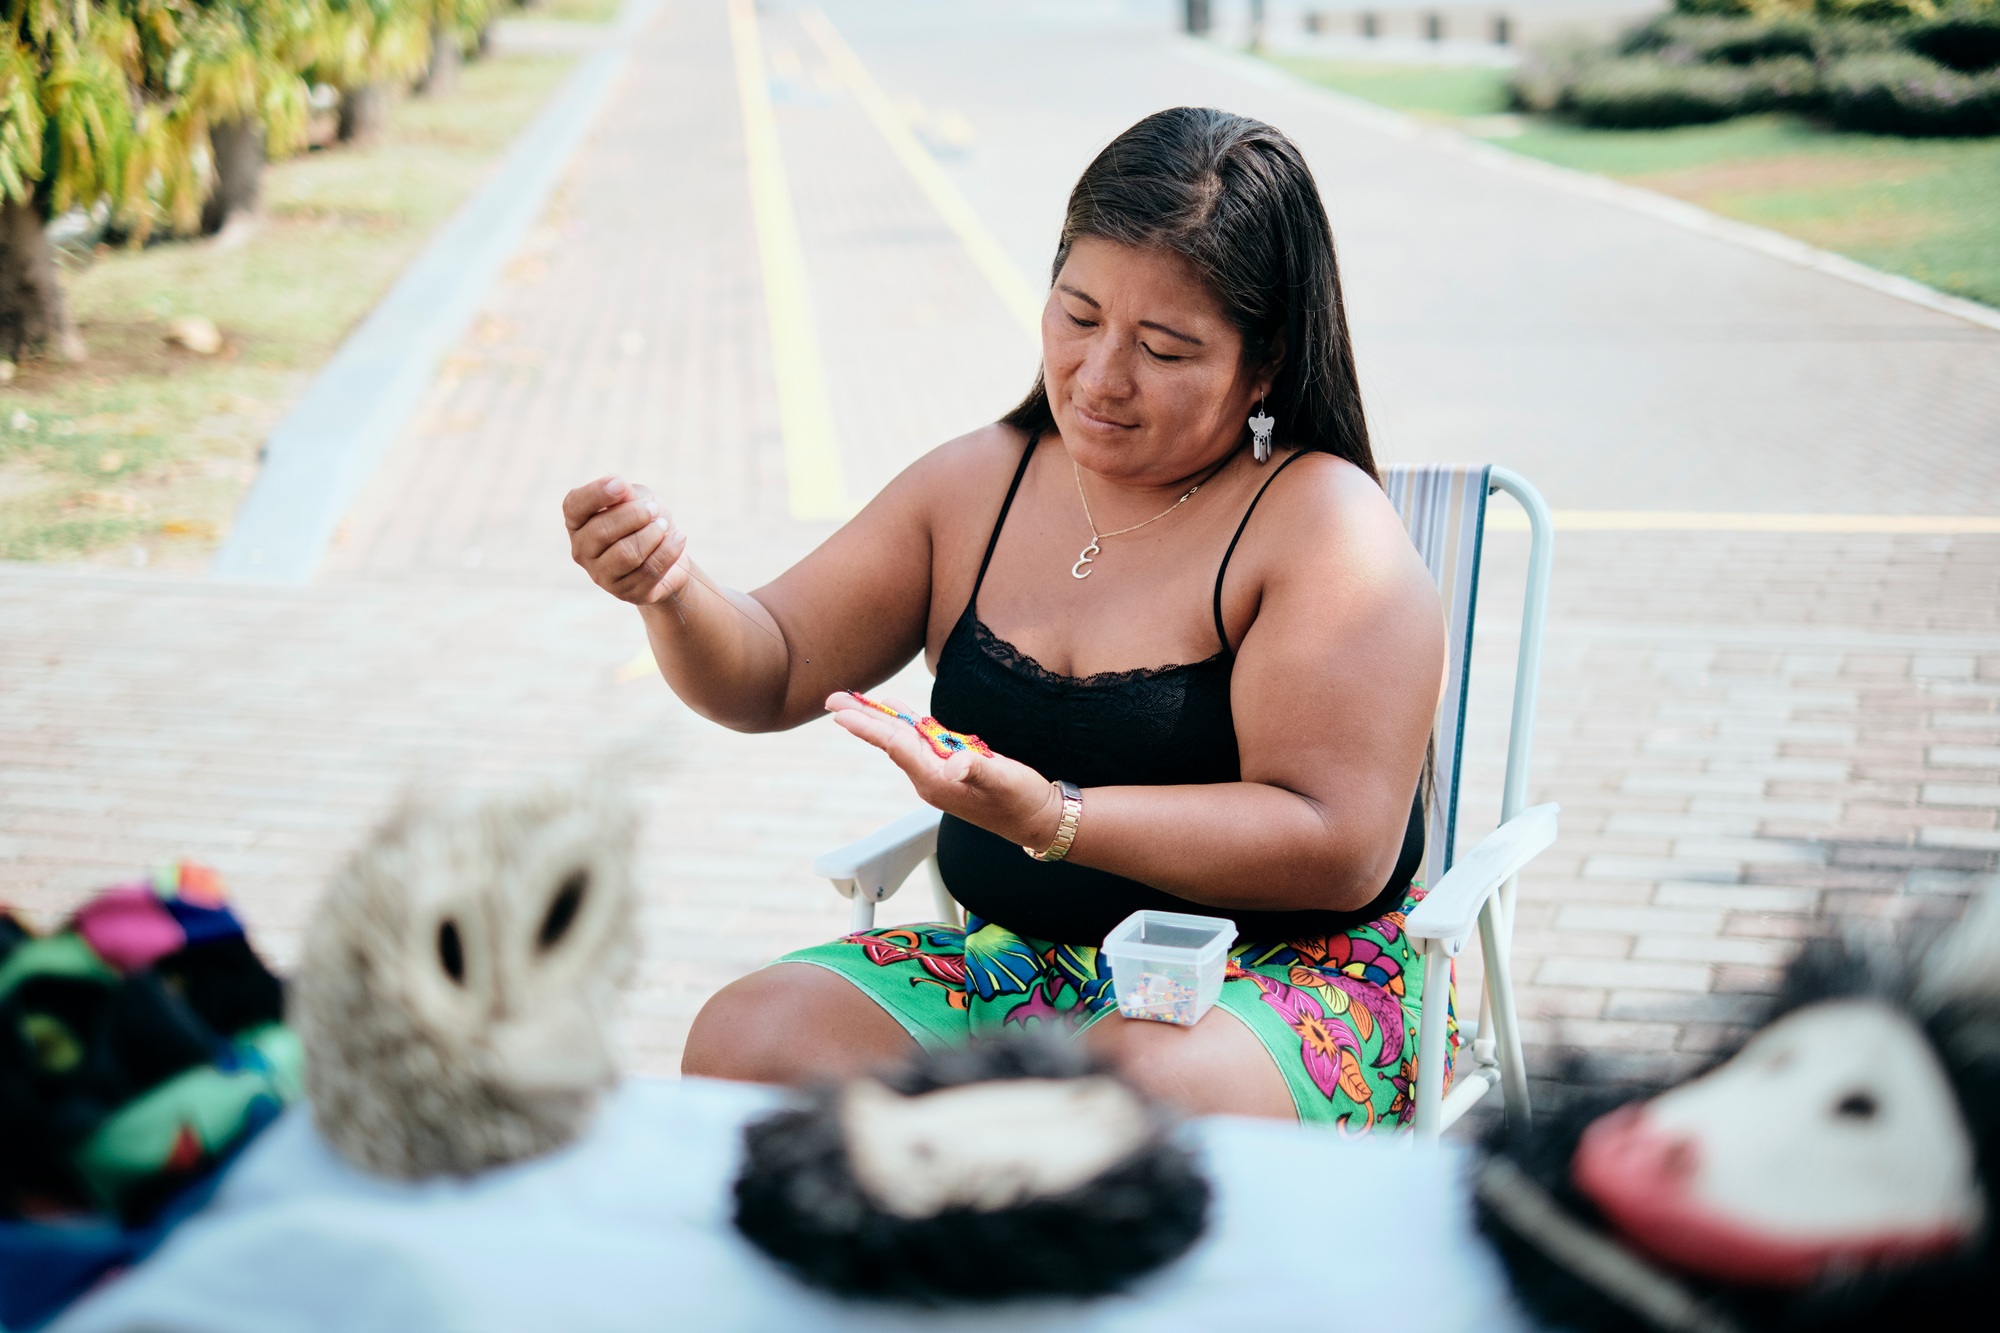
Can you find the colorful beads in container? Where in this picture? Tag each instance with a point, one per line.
(943, 741)
(140, 1046)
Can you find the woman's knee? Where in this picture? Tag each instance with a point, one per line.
(1217, 1067)
(791, 1023)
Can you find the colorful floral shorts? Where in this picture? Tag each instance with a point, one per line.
(1338, 1013)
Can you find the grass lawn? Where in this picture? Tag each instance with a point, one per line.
(571, 11)
(1926, 208)
(143, 451)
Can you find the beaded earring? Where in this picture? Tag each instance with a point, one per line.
(1260, 433)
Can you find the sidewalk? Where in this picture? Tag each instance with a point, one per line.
(1742, 727)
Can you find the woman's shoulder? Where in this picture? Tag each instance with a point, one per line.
(970, 467)
(1325, 501)
(1327, 514)
(1326, 561)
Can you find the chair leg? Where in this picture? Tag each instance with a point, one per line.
(1431, 1051)
(1506, 1023)
(863, 915)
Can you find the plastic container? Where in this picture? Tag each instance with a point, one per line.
(1168, 966)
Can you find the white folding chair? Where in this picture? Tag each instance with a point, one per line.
(1444, 508)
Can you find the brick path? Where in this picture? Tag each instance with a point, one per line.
(1742, 728)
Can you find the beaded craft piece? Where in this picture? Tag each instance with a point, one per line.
(943, 741)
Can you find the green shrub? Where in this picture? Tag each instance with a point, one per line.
(1903, 66)
(1679, 39)
(1762, 9)
(1966, 41)
(1541, 83)
(1646, 93)
(1909, 95)
(1876, 11)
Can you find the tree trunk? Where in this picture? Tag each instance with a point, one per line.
(442, 77)
(488, 31)
(362, 111)
(238, 146)
(33, 314)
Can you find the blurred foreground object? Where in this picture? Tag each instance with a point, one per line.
(627, 1231)
(140, 1047)
(1003, 1170)
(456, 989)
(1840, 1171)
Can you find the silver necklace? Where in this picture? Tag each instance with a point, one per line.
(1090, 552)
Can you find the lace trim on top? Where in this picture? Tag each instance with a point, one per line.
(1007, 655)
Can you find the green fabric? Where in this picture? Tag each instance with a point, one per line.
(1337, 1014)
(64, 955)
(185, 1122)
(283, 1053)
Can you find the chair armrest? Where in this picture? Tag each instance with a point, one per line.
(1451, 909)
(877, 865)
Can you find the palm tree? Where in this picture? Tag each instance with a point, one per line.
(369, 46)
(455, 29)
(226, 78)
(72, 134)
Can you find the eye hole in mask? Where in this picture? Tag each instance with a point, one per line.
(451, 951)
(562, 912)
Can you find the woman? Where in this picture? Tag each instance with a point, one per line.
(1204, 653)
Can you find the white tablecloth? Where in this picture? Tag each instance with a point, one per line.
(629, 1230)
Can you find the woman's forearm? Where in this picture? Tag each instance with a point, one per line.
(1238, 845)
(722, 652)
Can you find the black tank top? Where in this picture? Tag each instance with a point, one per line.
(1156, 726)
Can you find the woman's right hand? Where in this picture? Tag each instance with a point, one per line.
(625, 541)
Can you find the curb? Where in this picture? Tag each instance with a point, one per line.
(1665, 208)
(319, 457)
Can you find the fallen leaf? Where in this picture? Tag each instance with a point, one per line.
(117, 502)
(196, 333)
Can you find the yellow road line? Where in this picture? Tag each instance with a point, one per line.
(1648, 520)
(805, 413)
(1020, 296)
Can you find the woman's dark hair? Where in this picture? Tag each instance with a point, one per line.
(1235, 198)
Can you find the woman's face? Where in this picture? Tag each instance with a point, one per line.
(1144, 371)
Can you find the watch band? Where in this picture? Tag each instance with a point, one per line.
(1072, 810)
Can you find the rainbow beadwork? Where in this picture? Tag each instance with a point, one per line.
(943, 741)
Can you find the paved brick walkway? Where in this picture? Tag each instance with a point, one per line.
(1743, 728)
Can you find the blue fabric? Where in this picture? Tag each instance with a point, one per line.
(629, 1230)
(46, 1265)
(202, 924)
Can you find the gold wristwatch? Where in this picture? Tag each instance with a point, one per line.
(1072, 810)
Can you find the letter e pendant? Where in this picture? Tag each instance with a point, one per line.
(1077, 570)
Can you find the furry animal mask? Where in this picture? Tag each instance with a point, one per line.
(1002, 1170)
(1841, 1170)
(457, 985)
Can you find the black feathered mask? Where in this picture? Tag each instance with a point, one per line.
(1003, 1170)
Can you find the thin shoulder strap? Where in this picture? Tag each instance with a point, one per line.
(1021, 471)
(1220, 632)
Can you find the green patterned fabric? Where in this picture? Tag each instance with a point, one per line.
(1338, 1013)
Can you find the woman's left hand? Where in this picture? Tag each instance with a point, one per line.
(998, 794)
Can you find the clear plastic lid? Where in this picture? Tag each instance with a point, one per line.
(1171, 936)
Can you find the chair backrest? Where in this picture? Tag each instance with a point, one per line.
(1444, 508)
